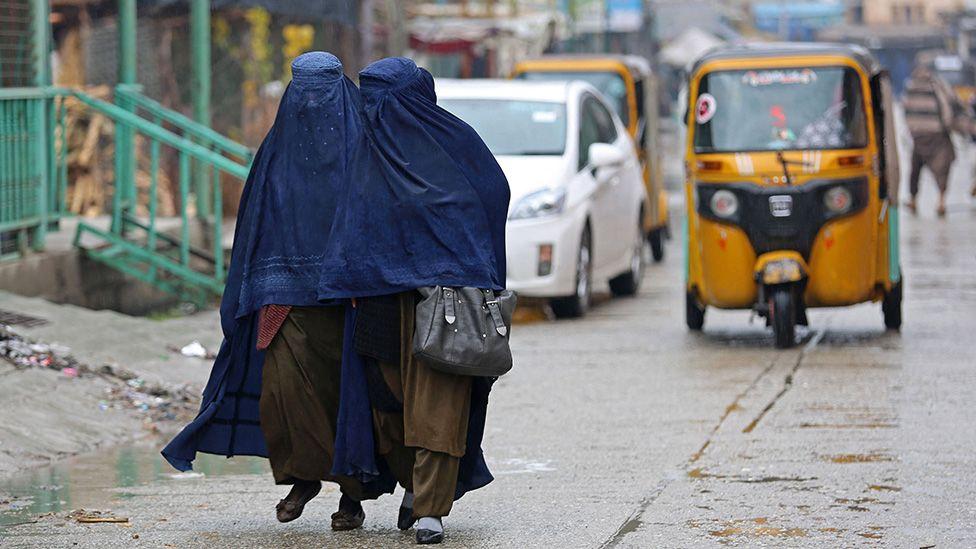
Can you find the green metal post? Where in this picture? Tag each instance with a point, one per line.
(200, 46)
(125, 167)
(42, 77)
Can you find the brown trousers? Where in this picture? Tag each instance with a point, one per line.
(423, 445)
(300, 397)
(935, 151)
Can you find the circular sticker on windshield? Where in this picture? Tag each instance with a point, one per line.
(705, 109)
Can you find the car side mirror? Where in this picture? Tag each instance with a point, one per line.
(605, 155)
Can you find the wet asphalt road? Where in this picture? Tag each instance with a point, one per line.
(625, 430)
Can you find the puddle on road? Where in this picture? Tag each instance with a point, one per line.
(98, 480)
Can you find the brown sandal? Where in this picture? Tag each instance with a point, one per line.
(346, 520)
(301, 493)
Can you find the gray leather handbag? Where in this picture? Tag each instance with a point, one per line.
(464, 331)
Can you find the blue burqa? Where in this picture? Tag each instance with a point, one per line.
(287, 209)
(428, 207)
(430, 204)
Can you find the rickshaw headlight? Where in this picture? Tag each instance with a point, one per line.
(724, 203)
(838, 200)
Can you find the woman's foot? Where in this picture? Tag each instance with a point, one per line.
(349, 516)
(430, 530)
(301, 493)
(911, 205)
(941, 209)
(405, 518)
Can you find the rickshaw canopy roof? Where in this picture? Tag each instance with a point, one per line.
(635, 64)
(764, 50)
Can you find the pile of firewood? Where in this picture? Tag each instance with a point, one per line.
(90, 140)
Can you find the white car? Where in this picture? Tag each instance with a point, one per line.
(575, 216)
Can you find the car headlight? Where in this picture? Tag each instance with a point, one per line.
(838, 200)
(724, 204)
(539, 204)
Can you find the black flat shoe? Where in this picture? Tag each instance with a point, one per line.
(405, 519)
(429, 537)
(292, 506)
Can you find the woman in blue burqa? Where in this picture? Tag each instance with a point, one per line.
(275, 387)
(428, 208)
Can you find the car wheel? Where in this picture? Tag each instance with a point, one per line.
(629, 283)
(576, 305)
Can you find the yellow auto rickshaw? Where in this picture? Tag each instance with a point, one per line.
(792, 181)
(631, 88)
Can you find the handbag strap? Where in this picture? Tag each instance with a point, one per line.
(496, 312)
(450, 314)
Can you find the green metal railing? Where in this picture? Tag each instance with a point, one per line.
(33, 171)
(135, 245)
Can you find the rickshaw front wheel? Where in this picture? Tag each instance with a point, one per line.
(782, 315)
(656, 240)
(694, 313)
(891, 306)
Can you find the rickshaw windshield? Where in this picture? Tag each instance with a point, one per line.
(804, 108)
(610, 84)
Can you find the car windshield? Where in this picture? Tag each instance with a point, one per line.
(610, 84)
(780, 109)
(514, 127)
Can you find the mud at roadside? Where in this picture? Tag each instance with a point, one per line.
(73, 380)
(56, 405)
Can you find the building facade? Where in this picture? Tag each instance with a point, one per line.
(904, 12)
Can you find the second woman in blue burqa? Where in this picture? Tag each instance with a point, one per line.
(426, 206)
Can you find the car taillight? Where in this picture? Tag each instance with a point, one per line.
(838, 200)
(724, 203)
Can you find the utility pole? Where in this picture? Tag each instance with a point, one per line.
(200, 47)
(366, 32)
(42, 78)
(125, 166)
(398, 39)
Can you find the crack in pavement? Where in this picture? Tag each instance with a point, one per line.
(787, 381)
(633, 521)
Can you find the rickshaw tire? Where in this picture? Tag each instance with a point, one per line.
(891, 306)
(656, 240)
(782, 310)
(694, 313)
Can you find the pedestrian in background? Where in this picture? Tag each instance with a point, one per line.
(429, 209)
(929, 114)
